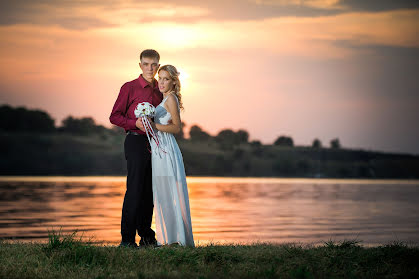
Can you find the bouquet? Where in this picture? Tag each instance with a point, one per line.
(143, 111)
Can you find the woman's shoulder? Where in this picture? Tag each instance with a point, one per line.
(172, 99)
(171, 102)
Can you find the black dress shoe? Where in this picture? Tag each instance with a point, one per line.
(148, 242)
(128, 244)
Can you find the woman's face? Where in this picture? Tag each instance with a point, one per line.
(166, 83)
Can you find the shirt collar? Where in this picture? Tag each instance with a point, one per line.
(144, 83)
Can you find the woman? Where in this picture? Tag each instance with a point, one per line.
(170, 192)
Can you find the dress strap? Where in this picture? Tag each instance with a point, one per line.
(165, 98)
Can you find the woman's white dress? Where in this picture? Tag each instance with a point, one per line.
(170, 192)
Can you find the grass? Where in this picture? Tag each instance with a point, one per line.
(67, 256)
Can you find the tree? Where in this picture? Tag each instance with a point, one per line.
(316, 143)
(226, 136)
(242, 136)
(334, 143)
(22, 119)
(229, 137)
(197, 134)
(116, 130)
(256, 147)
(81, 126)
(284, 141)
(255, 143)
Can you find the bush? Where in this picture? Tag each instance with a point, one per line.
(284, 141)
(334, 143)
(316, 143)
(197, 134)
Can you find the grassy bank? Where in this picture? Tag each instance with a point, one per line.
(65, 256)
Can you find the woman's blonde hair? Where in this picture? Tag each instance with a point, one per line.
(174, 74)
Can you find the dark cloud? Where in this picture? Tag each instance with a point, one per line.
(251, 10)
(82, 23)
(43, 12)
(47, 12)
(389, 71)
(388, 75)
(241, 9)
(380, 5)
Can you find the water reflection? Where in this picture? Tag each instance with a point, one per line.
(223, 209)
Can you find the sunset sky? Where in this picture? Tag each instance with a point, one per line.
(306, 69)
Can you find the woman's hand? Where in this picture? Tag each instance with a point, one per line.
(153, 125)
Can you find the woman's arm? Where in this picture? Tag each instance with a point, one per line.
(176, 125)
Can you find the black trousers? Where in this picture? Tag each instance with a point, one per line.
(137, 210)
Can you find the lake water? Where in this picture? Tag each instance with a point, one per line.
(224, 210)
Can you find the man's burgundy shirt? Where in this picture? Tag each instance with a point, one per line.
(132, 93)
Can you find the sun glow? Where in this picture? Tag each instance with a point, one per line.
(175, 36)
(183, 77)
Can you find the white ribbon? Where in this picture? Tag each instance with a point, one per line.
(150, 133)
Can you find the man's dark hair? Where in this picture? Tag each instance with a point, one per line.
(150, 53)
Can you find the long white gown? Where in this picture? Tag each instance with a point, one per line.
(170, 191)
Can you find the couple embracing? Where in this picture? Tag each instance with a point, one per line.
(156, 179)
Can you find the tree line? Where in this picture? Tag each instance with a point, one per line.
(228, 137)
(31, 144)
(22, 119)
(38, 121)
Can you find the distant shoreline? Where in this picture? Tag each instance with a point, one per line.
(206, 179)
(64, 154)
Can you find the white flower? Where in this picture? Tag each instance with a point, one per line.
(144, 109)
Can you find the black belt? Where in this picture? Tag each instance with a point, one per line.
(135, 133)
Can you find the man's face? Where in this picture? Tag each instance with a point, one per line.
(149, 66)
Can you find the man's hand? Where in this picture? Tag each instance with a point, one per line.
(139, 124)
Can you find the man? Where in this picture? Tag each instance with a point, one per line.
(137, 210)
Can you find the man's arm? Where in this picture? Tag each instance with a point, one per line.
(118, 115)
